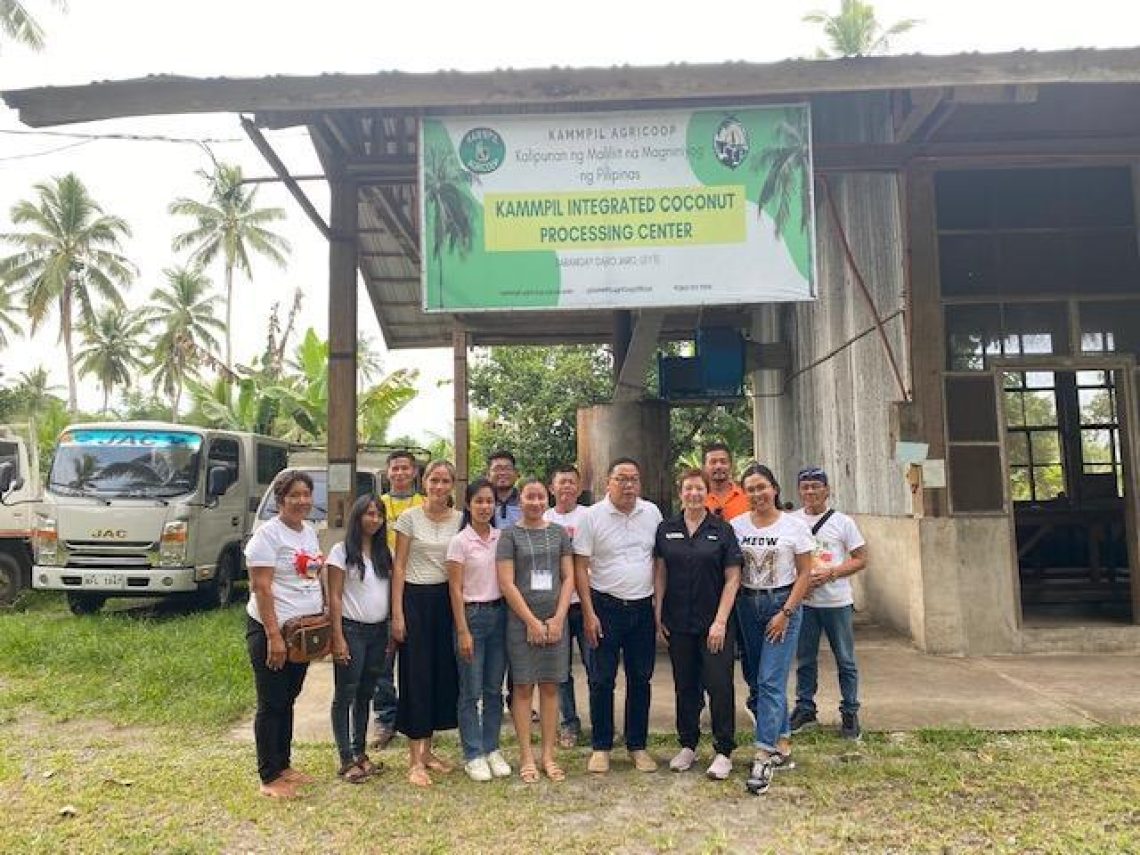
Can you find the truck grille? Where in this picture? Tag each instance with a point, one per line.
(97, 553)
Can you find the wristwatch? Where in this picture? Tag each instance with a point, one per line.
(787, 612)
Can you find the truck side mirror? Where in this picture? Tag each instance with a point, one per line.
(217, 481)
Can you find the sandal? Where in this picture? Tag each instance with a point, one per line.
(437, 765)
(553, 771)
(351, 772)
(368, 766)
(529, 773)
(294, 777)
(418, 776)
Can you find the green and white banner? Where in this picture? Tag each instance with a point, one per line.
(617, 210)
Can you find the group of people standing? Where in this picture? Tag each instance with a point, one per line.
(502, 590)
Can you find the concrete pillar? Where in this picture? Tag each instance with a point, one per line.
(342, 352)
(637, 429)
(768, 404)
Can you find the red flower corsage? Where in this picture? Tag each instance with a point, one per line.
(308, 566)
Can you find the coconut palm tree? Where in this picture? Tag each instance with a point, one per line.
(35, 391)
(8, 322)
(229, 225)
(855, 31)
(69, 255)
(445, 196)
(113, 348)
(17, 24)
(183, 311)
(787, 170)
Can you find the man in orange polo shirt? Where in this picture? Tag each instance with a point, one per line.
(726, 499)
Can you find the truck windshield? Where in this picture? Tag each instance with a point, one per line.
(125, 463)
(365, 483)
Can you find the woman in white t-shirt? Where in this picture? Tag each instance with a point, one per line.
(284, 560)
(359, 571)
(775, 579)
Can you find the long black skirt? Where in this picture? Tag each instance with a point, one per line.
(429, 680)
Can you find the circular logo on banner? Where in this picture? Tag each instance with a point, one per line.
(482, 150)
(730, 142)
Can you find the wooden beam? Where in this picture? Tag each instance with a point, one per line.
(924, 103)
(396, 221)
(276, 164)
(459, 345)
(590, 87)
(342, 349)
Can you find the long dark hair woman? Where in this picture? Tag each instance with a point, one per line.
(284, 560)
(777, 573)
(359, 571)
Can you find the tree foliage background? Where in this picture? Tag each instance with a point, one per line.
(529, 397)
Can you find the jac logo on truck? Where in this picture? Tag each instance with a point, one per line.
(109, 533)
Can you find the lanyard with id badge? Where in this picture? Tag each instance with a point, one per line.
(542, 565)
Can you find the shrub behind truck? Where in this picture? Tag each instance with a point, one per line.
(149, 509)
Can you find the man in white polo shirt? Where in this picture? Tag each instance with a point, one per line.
(613, 566)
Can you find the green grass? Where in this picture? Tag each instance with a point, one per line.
(134, 665)
(114, 737)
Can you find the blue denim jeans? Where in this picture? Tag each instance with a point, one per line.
(384, 700)
(355, 683)
(838, 623)
(772, 660)
(567, 703)
(482, 679)
(629, 633)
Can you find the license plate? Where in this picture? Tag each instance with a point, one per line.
(104, 580)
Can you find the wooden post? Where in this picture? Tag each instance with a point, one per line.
(926, 328)
(342, 351)
(462, 420)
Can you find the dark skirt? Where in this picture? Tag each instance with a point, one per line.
(428, 678)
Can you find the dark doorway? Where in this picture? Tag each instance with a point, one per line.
(1068, 481)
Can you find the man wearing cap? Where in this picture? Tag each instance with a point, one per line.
(840, 552)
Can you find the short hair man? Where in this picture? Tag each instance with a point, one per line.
(502, 474)
(401, 495)
(613, 568)
(725, 498)
(566, 488)
(829, 609)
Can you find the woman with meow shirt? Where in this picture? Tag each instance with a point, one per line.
(775, 579)
(284, 560)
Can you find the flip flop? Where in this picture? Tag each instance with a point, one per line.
(529, 773)
(294, 777)
(368, 766)
(553, 771)
(419, 777)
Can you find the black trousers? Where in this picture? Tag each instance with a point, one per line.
(696, 669)
(429, 677)
(276, 693)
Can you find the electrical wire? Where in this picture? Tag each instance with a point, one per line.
(31, 154)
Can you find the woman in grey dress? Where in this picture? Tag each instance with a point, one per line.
(536, 576)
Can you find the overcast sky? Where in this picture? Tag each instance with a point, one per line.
(119, 39)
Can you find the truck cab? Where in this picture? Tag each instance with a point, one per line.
(19, 492)
(148, 509)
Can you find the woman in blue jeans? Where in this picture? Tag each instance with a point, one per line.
(480, 634)
(359, 582)
(777, 571)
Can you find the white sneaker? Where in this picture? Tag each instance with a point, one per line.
(477, 769)
(500, 768)
(683, 762)
(720, 768)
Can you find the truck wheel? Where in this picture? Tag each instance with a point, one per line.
(12, 578)
(219, 591)
(85, 604)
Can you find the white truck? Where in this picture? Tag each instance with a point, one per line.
(19, 460)
(146, 509)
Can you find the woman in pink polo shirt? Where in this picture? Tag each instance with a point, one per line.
(480, 633)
